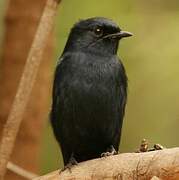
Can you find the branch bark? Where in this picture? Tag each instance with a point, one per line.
(161, 164)
(26, 83)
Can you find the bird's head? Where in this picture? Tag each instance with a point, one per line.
(96, 35)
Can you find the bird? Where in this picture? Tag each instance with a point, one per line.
(89, 91)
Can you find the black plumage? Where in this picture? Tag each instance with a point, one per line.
(90, 91)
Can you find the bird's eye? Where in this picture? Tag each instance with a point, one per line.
(98, 31)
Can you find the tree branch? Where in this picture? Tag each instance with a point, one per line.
(20, 171)
(26, 84)
(161, 164)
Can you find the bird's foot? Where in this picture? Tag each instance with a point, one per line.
(72, 162)
(110, 152)
(144, 147)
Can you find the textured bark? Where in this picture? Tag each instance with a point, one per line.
(161, 164)
(21, 20)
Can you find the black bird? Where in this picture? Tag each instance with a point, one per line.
(90, 91)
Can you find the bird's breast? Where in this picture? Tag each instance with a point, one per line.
(90, 96)
(94, 92)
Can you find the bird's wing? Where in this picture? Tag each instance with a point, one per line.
(55, 94)
(122, 86)
(61, 77)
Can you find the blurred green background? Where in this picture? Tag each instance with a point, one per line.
(151, 58)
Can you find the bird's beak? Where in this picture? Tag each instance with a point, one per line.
(122, 34)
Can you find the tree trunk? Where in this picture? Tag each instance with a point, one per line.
(21, 20)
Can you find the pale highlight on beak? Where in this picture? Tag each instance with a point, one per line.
(125, 34)
(121, 34)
